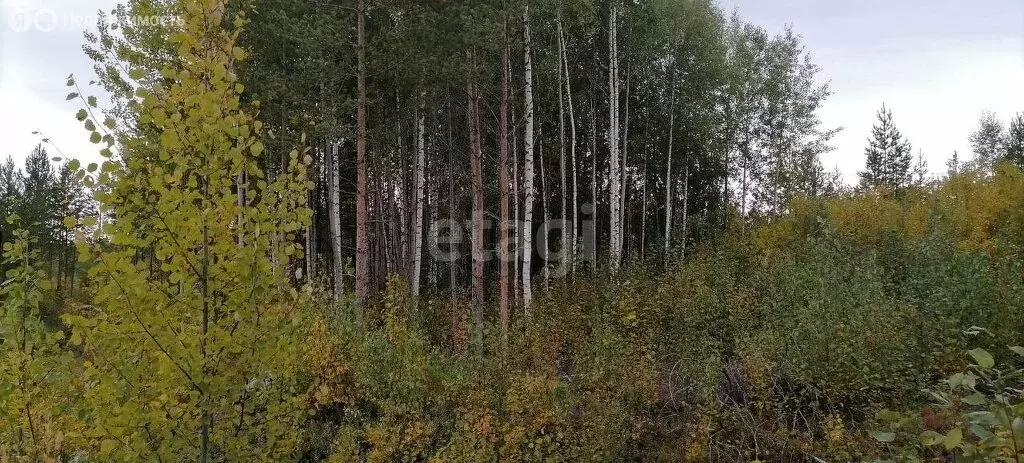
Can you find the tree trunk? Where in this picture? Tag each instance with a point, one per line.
(614, 169)
(625, 169)
(668, 169)
(528, 213)
(545, 216)
(503, 183)
(477, 239)
(517, 248)
(572, 152)
(564, 238)
(334, 216)
(417, 226)
(686, 204)
(593, 182)
(361, 212)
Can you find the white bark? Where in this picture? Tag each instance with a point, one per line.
(668, 170)
(686, 203)
(564, 240)
(417, 239)
(528, 219)
(335, 216)
(572, 153)
(614, 169)
(624, 167)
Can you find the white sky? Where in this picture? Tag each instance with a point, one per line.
(40, 44)
(936, 63)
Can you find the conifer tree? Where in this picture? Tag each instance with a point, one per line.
(191, 338)
(888, 156)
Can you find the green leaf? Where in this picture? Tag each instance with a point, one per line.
(82, 115)
(975, 399)
(953, 438)
(74, 164)
(1018, 350)
(95, 138)
(884, 436)
(91, 101)
(257, 148)
(71, 96)
(929, 438)
(90, 126)
(109, 123)
(981, 432)
(91, 167)
(70, 222)
(983, 358)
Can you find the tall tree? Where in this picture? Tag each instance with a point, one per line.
(504, 187)
(417, 226)
(988, 141)
(362, 250)
(528, 171)
(888, 156)
(614, 160)
(208, 342)
(1015, 141)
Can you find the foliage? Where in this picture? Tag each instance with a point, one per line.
(37, 410)
(979, 415)
(190, 346)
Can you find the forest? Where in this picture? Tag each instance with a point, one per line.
(482, 230)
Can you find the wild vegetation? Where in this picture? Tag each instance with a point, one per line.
(254, 270)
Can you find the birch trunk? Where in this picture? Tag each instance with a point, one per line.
(334, 216)
(614, 173)
(528, 212)
(477, 236)
(572, 153)
(564, 238)
(417, 227)
(686, 203)
(593, 181)
(668, 169)
(624, 166)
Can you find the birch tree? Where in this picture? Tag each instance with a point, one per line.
(528, 159)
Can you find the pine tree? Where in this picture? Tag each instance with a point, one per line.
(888, 156)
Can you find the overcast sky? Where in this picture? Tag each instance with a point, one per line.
(936, 63)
